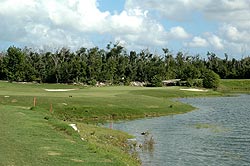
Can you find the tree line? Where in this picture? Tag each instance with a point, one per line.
(115, 65)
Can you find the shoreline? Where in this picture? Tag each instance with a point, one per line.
(88, 106)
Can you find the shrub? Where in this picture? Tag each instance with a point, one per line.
(92, 82)
(211, 79)
(156, 81)
(190, 82)
(198, 83)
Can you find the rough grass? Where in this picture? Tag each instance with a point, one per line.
(28, 138)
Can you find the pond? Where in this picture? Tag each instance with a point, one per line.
(216, 133)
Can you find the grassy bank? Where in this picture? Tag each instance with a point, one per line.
(33, 135)
(30, 137)
(235, 86)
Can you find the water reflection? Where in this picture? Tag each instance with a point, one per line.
(217, 133)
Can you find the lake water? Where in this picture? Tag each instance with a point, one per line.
(216, 134)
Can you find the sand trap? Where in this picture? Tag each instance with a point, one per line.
(194, 90)
(59, 90)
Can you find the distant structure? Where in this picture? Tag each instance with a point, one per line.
(172, 82)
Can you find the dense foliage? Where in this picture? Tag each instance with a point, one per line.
(211, 79)
(114, 65)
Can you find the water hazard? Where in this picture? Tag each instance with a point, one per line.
(217, 133)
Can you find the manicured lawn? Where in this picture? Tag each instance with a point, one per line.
(98, 104)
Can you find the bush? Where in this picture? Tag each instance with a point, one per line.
(211, 79)
(190, 82)
(198, 83)
(156, 81)
(92, 82)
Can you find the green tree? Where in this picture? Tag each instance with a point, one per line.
(156, 81)
(180, 65)
(131, 67)
(14, 63)
(33, 66)
(114, 65)
(140, 70)
(211, 79)
(2, 72)
(113, 56)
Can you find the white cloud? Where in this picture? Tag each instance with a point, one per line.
(171, 9)
(76, 14)
(223, 10)
(178, 33)
(197, 42)
(134, 28)
(215, 42)
(233, 34)
(41, 36)
(209, 40)
(130, 21)
(230, 16)
(74, 22)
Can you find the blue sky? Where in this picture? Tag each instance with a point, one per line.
(192, 26)
(111, 5)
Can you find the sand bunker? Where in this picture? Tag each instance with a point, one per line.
(59, 90)
(194, 90)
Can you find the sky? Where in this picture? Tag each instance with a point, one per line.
(191, 26)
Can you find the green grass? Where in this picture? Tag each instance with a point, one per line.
(27, 138)
(35, 136)
(235, 86)
(99, 104)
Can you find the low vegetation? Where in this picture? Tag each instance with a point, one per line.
(38, 133)
(31, 137)
(235, 86)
